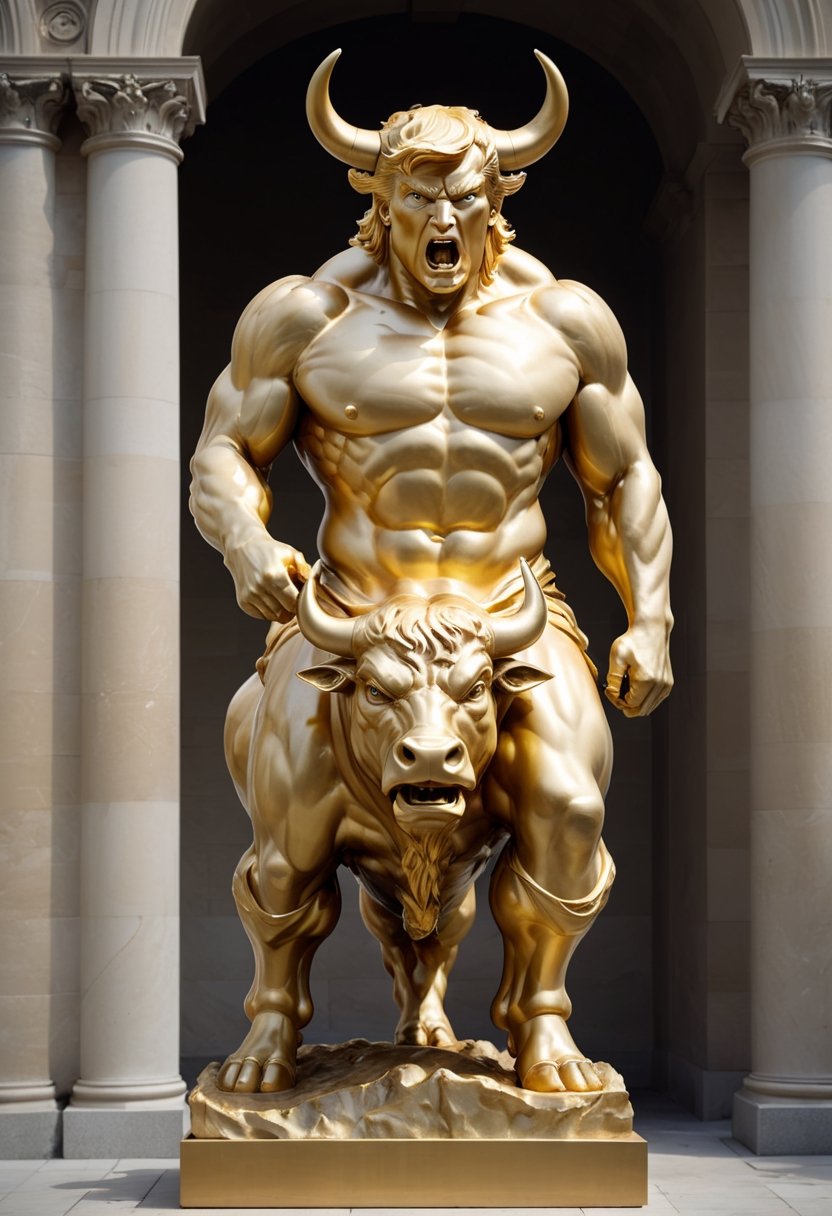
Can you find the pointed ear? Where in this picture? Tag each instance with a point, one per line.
(512, 676)
(330, 677)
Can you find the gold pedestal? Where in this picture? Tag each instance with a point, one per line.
(413, 1173)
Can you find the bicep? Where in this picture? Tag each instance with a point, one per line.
(253, 406)
(267, 418)
(605, 421)
(255, 422)
(605, 434)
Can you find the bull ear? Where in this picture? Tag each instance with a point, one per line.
(510, 675)
(330, 677)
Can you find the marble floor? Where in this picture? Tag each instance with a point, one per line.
(695, 1168)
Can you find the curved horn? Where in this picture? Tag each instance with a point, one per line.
(353, 145)
(525, 145)
(515, 632)
(331, 633)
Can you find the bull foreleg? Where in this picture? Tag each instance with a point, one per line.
(540, 933)
(279, 1002)
(420, 969)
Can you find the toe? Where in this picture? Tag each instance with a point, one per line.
(543, 1078)
(248, 1078)
(442, 1036)
(228, 1074)
(277, 1076)
(579, 1077)
(590, 1075)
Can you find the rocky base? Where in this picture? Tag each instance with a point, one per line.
(360, 1090)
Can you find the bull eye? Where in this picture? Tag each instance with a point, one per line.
(375, 696)
(476, 691)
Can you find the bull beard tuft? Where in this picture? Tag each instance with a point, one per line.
(423, 862)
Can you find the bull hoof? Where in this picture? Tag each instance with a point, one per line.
(548, 1060)
(419, 1034)
(265, 1061)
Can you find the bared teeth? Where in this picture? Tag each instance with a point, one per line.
(442, 254)
(428, 795)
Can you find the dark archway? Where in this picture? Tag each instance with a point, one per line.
(260, 199)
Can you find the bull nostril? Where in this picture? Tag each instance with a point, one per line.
(454, 756)
(408, 755)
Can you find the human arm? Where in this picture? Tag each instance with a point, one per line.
(251, 415)
(629, 531)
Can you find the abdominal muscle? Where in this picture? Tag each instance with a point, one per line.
(452, 508)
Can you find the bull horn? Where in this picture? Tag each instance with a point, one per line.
(525, 145)
(353, 145)
(330, 633)
(512, 633)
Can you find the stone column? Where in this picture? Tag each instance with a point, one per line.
(783, 110)
(37, 638)
(129, 1099)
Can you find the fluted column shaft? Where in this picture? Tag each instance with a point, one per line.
(786, 1102)
(130, 634)
(38, 611)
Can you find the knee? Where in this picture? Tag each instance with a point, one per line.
(582, 820)
(574, 815)
(280, 888)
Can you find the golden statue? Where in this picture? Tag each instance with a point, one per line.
(430, 377)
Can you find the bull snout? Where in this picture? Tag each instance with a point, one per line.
(422, 759)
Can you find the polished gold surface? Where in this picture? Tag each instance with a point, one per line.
(414, 1173)
(385, 1091)
(430, 377)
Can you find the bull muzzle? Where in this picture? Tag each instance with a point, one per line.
(425, 776)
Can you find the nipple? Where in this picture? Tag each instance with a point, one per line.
(539, 413)
(351, 411)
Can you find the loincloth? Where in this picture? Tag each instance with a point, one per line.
(505, 600)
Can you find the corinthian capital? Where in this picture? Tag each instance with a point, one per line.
(152, 103)
(30, 106)
(780, 106)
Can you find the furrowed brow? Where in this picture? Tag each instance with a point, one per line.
(394, 679)
(410, 183)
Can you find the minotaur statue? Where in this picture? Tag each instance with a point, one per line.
(430, 377)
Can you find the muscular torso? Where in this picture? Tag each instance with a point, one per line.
(431, 445)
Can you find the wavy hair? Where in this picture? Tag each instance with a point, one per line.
(430, 628)
(424, 135)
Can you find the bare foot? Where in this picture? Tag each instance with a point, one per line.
(549, 1061)
(265, 1060)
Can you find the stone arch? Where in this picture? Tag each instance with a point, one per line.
(781, 28)
(671, 59)
(164, 27)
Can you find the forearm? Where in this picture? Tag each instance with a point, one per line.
(631, 543)
(228, 520)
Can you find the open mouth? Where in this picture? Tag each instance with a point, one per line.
(426, 795)
(427, 807)
(442, 255)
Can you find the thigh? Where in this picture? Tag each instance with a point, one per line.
(296, 796)
(553, 763)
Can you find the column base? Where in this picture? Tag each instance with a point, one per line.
(707, 1092)
(782, 1126)
(29, 1135)
(99, 1132)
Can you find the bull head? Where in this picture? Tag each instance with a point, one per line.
(427, 671)
(336, 634)
(430, 679)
